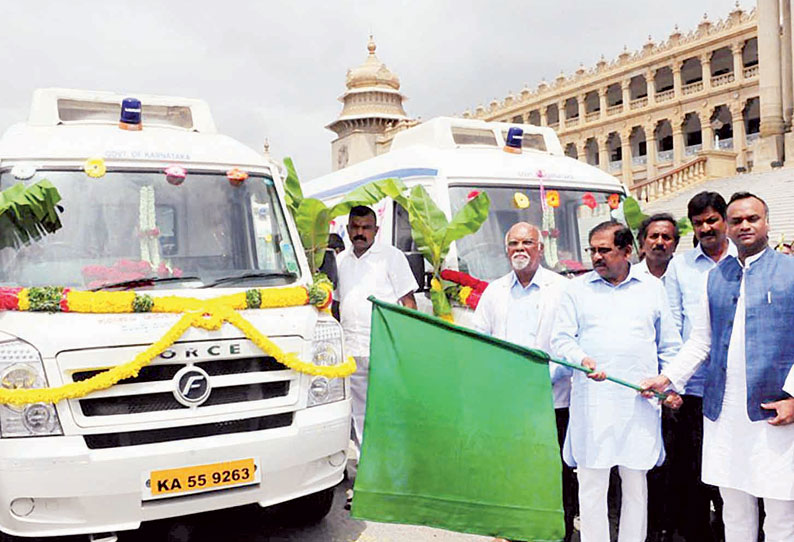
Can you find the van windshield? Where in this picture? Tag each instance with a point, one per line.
(131, 225)
(565, 223)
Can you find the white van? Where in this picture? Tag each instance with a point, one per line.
(454, 157)
(267, 433)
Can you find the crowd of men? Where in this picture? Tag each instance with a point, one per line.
(710, 328)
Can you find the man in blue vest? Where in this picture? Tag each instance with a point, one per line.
(744, 330)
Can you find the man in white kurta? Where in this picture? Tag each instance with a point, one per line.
(746, 459)
(519, 307)
(367, 268)
(616, 318)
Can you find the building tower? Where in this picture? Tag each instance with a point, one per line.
(372, 106)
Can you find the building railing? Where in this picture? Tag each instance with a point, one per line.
(616, 165)
(664, 156)
(752, 138)
(615, 109)
(726, 143)
(638, 103)
(691, 88)
(724, 79)
(665, 95)
(592, 116)
(692, 150)
(574, 121)
(751, 71)
(554, 125)
(670, 181)
(639, 160)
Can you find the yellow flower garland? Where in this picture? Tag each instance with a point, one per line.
(205, 314)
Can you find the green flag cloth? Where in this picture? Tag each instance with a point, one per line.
(460, 431)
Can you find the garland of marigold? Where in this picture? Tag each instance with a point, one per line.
(207, 314)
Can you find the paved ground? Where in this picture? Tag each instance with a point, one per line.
(252, 525)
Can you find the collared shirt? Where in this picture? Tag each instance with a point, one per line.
(629, 331)
(754, 457)
(643, 268)
(686, 288)
(383, 272)
(525, 316)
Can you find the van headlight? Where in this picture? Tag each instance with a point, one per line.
(326, 351)
(21, 368)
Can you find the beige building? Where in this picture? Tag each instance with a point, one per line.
(697, 104)
(372, 113)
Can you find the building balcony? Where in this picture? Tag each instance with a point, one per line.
(665, 95)
(639, 160)
(615, 165)
(692, 150)
(554, 125)
(592, 116)
(691, 88)
(639, 103)
(570, 123)
(614, 110)
(725, 144)
(752, 138)
(724, 79)
(664, 156)
(751, 71)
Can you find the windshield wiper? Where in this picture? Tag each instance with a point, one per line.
(249, 276)
(145, 281)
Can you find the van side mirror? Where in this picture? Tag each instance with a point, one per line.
(417, 264)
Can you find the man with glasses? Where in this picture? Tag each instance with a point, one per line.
(614, 319)
(519, 307)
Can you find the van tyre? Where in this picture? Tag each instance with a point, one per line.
(307, 510)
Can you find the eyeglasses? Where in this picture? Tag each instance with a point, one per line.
(600, 250)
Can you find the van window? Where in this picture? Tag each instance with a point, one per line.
(473, 136)
(531, 141)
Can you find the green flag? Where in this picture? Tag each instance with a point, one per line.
(460, 431)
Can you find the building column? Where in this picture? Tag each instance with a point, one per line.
(625, 86)
(677, 78)
(739, 137)
(651, 86)
(705, 70)
(603, 152)
(582, 109)
(581, 151)
(544, 121)
(625, 157)
(706, 131)
(738, 62)
(769, 87)
(602, 100)
(678, 141)
(788, 97)
(650, 151)
(561, 115)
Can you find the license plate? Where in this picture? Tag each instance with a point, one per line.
(186, 480)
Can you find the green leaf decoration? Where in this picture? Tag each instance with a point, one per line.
(292, 186)
(312, 219)
(633, 213)
(428, 225)
(370, 194)
(28, 213)
(684, 226)
(466, 221)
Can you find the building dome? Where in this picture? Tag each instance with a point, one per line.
(372, 73)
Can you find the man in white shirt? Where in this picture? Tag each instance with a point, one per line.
(658, 239)
(743, 330)
(620, 317)
(519, 307)
(367, 269)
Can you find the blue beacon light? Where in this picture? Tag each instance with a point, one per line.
(515, 137)
(130, 114)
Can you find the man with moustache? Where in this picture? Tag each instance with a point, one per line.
(742, 333)
(687, 500)
(613, 319)
(519, 307)
(367, 268)
(658, 237)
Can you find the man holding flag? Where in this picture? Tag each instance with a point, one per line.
(618, 319)
(519, 307)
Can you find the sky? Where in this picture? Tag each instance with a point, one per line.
(274, 70)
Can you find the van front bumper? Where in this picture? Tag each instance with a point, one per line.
(56, 486)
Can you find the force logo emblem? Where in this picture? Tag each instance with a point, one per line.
(191, 386)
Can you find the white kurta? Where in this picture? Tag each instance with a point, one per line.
(754, 457)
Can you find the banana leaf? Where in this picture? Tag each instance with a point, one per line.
(312, 219)
(28, 213)
(466, 221)
(684, 226)
(292, 187)
(369, 194)
(633, 213)
(428, 225)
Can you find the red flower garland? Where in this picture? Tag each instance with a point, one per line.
(464, 279)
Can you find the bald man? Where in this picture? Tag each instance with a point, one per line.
(520, 307)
